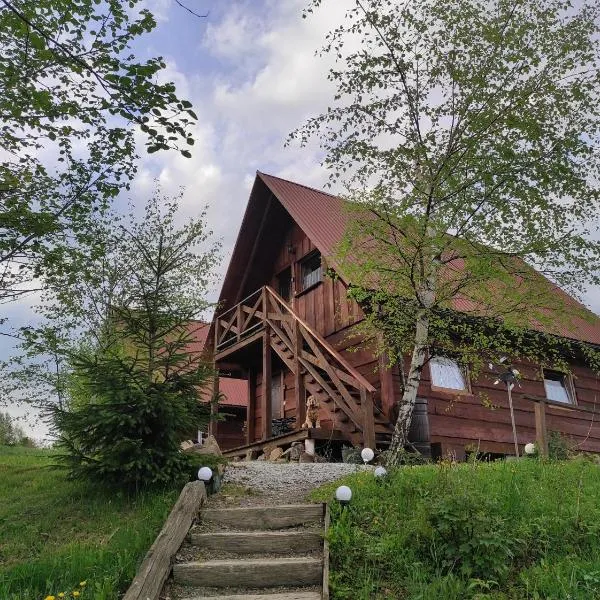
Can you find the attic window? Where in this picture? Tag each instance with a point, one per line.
(447, 374)
(311, 271)
(557, 386)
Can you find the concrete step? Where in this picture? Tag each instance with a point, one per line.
(257, 573)
(276, 596)
(264, 517)
(259, 542)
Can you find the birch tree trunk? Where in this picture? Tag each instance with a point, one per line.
(407, 403)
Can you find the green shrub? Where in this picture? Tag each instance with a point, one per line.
(522, 530)
(129, 433)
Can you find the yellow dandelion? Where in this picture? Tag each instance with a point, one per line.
(75, 594)
(82, 583)
(50, 598)
(61, 595)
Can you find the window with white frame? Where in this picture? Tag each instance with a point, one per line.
(311, 271)
(558, 387)
(447, 373)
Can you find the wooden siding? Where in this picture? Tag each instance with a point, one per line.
(477, 420)
(325, 307)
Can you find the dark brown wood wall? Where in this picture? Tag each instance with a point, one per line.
(455, 421)
(325, 306)
(481, 420)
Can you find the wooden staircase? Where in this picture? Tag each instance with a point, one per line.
(346, 397)
(257, 553)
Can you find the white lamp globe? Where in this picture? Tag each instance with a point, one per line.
(530, 448)
(380, 472)
(205, 474)
(367, 455)
(343, 494)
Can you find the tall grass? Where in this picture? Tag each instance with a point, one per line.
(503, 531)
(55, 533)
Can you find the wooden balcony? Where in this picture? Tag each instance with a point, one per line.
(317, 367)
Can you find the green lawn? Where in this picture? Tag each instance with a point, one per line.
(509, 530)
(55, 533)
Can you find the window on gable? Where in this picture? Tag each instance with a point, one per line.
(447, 373)
(311, 271)
(557, 386)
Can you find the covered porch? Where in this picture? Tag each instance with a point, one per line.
(283, 360)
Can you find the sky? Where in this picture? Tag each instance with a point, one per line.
(251, 72)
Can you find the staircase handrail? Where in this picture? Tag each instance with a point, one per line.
(322, 342)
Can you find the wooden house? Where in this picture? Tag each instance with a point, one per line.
(285, 329)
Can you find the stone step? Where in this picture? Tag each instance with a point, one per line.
(264, 517)
(259, 542)
(276, 596)
(257, 573)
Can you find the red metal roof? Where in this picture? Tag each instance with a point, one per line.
(323, 217)
(235, 391)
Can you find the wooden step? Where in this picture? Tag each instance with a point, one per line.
(264, 517)
(258, 573)
(259, 542)
(276, 596)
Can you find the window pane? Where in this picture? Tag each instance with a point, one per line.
(446, 373)
(311, 271)
(556, 388)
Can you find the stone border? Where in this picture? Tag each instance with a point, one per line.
(156, 566)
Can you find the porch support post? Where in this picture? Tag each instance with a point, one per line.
(214, 407)
(299, 391)
(541, 433)
(266, 386)
(251, 409)
(366, 401)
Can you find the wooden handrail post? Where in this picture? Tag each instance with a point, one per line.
(300, 394)
(265, 311)
(366, 401)
(266, 386)
(251, 409)
(238, 318)
(541, 433)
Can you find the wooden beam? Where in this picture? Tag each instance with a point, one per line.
(251, 408)
(156, 566)
(214, 407)
(238, 346)
(257, 240)
(541, 433)
(299, 390)
(266, 409)
(366, 401)
(327, 347)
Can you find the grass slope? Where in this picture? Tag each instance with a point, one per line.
(523, 530)
(54, 533)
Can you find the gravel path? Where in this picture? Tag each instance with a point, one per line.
(284, 482)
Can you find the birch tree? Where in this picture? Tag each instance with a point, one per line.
(467, 133)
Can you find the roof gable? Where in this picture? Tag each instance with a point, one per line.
(324, 219)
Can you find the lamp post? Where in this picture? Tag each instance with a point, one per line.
(509, 377)
(343, 495)
(380, 473)
(530, 449)
(205, 475)
(367, 455)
